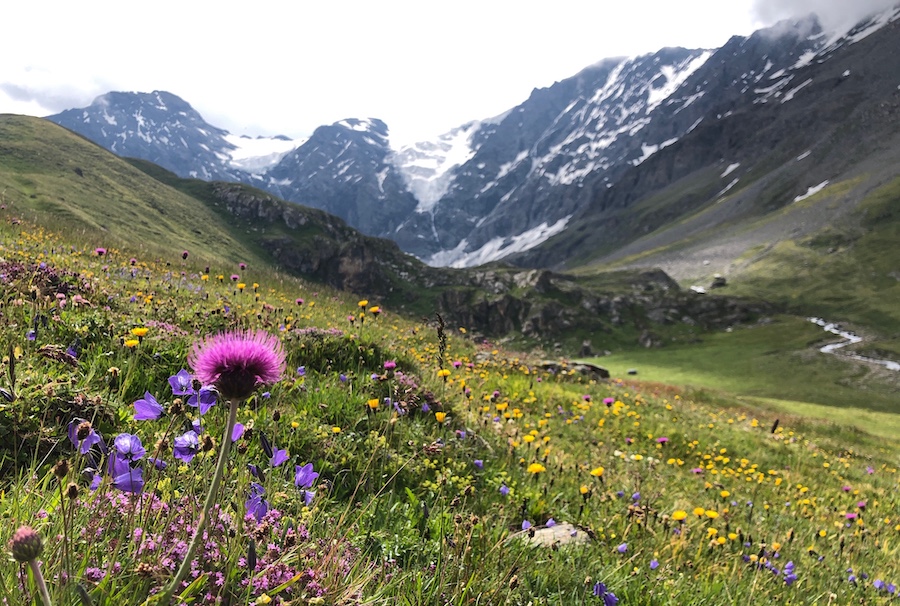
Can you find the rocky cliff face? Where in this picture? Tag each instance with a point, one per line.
(548, 307)
(318, 245)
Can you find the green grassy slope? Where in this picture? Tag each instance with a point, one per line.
(777, 361)
(677, 498)
(68, 183)
(848, 271)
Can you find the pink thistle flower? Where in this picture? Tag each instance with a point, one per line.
(236, 362)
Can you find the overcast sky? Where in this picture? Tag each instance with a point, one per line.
(288, 66)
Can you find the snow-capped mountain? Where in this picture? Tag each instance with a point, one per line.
(166, 130)
(546, 161)
(345, 169)
(778, 134)
(503, 185)
(506, 193)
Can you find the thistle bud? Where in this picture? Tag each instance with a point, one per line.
(61, 469)
(26, 544)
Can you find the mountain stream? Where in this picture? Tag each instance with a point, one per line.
(849, 338)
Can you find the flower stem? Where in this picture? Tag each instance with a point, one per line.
(165, 597)
(39, 581)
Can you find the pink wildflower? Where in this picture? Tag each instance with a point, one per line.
(236, 362)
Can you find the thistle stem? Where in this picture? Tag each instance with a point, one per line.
(166, 596)
(39, 581)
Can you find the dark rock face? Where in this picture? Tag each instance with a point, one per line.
(334, 254)
(591, 370)
(344, 169)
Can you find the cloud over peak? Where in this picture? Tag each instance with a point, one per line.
(834, 15)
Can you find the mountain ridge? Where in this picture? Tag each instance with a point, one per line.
(504, 186)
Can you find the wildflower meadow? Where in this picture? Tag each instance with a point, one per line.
(177, 433)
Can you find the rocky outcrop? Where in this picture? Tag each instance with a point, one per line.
(542, 305)
(321, 247)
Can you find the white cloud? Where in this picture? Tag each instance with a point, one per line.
(834, 15)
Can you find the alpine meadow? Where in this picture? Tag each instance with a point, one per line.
(635, 341)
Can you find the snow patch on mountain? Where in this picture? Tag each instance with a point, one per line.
(362, 125)
(496, 248)
(812, 191)
(427, 167)
(790, 94)
(674, 76)
(731, 168)
(649, 150)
